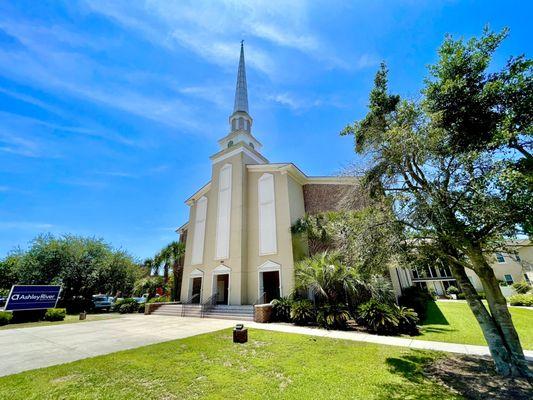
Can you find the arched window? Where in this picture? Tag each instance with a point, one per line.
(251, 145)
(267, 215)
(222, 238)
(241, 123)
(230, 143)
(199, 231)
(233, 124)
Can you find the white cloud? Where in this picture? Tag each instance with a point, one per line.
(25, 225)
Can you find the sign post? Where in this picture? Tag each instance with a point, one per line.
(32, 297)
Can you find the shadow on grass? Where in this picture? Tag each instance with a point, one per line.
(434, 315)
(414, 384)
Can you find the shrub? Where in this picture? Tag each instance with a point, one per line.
(378, 317)
(55, 314)
(126, 306)
(522, 300)
(78, 304)
(303, 312)
(333, 316)
(27, 316)
(141, 308)
(417, 299)
(521, 287)
(481, 295)
(407, 320)
(160, 299)
(281, 309)
(433, 293)
(5, 317)
(452, 290)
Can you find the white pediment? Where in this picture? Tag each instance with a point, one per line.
(222, 269)
(196, 273)
(269, 266)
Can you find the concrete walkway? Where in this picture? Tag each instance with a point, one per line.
(24, 349)
(36, 347)
(387, 340)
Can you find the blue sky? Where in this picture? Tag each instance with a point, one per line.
(109, 110)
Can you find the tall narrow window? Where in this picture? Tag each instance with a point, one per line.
(224, 213)
(199, 231)
(267, 215)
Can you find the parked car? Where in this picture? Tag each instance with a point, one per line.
(102, 302)
(140, 300)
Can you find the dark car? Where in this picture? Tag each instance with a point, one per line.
(102, 302)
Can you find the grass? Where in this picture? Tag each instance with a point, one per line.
(270, 366)
(454, 322)
(69, 319)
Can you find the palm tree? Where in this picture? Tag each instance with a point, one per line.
(176, 250)
(328, 279)
(171, 257)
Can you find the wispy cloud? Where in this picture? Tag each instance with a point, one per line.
(26, 225)
(19, 145)
(211, 29)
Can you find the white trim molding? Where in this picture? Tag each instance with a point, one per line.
(268, 266)
(221, 270)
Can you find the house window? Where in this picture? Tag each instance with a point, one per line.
(500, 258)
(444, 272)
(509, 279)
(267, 215)
(414, 272)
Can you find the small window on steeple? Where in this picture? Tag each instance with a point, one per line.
(230, 143)
(241, 123)
(252, 145)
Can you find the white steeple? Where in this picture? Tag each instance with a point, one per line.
(240, 119)
(241, 91)
(240, 134)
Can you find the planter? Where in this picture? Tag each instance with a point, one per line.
(263, 313)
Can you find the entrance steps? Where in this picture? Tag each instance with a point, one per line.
(168, 309)
(241, 313)
(244, 313)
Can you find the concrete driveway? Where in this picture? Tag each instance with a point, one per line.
(29, 348)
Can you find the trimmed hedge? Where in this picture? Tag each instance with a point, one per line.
(417, 299)
(55, 314)
(521, 300)
(5, 317)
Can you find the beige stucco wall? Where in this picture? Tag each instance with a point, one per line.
(283, 233)
(237, 253)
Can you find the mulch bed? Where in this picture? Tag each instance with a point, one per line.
(475, 378)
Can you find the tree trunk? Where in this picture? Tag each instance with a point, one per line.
(177, 271)
(498, 350)
(165, 273)
(516, 363)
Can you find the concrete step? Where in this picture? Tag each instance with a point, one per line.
(238, 317)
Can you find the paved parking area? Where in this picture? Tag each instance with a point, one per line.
(29, 348)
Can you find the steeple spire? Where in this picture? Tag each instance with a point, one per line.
(241, 91)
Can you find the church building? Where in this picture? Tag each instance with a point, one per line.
(238, 238)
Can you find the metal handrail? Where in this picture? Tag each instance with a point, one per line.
(208, 305)
(188, 302)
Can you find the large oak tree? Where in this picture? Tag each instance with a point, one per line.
(457, 166)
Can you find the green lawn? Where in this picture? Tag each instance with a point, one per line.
(454, 322)
(270, 366)
(69, 319)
